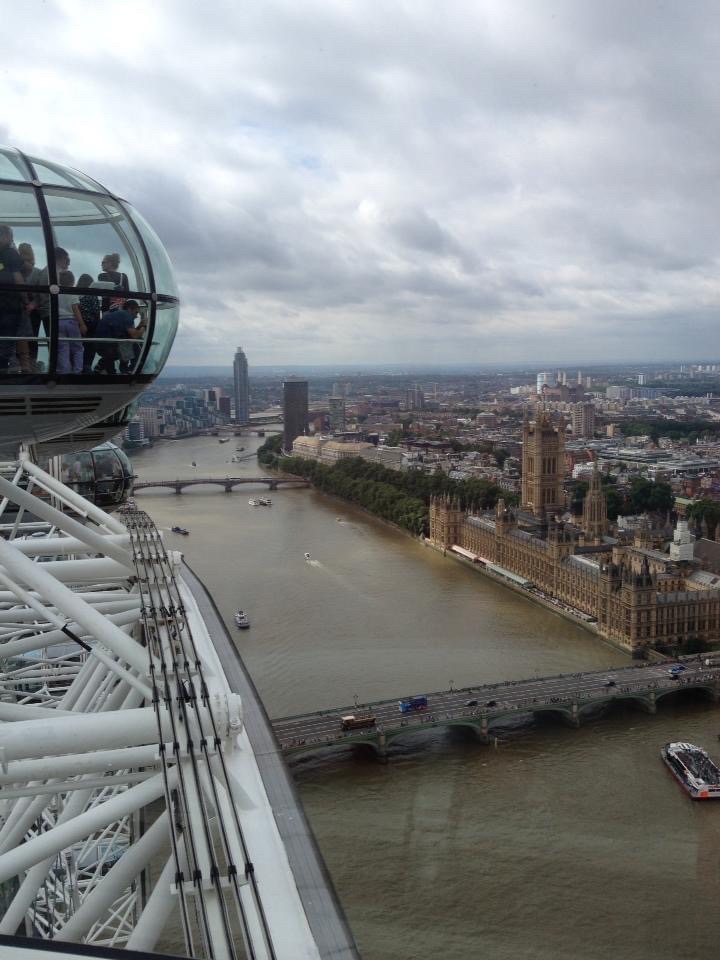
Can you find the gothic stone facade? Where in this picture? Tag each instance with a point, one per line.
(640, 597)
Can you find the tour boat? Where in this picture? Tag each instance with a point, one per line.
(265, 501)
(180, 530)
(253, 503)
(241, 620)
(696, 773)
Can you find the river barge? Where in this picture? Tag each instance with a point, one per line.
(693, 769)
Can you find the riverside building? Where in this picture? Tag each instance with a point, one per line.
(641, 593)
(295, 411)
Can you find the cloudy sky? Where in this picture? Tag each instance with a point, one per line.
(399, 180)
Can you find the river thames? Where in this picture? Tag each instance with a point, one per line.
(559, 843)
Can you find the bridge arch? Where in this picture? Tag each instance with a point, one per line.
(707, 688)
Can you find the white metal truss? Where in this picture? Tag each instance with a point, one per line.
(130, 801)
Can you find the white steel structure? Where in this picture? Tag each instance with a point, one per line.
(131, 804)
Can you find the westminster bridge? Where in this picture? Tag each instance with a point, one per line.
(227, 483)
(482, 706)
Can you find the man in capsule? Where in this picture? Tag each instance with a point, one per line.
(114, 327)
(11, 304)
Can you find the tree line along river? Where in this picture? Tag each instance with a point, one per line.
(558, 843)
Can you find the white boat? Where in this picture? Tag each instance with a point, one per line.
(307, 556)
(693, 769)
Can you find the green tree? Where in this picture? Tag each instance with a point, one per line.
(269, 453)
(501, 456)
(707, 510)
(647, 496)
(615, 503)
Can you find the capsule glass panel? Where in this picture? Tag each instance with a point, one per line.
(166, 322)
(117, 343)
(162, 269)
(19, 225)
(13, 165)
(55, 175)
(99, 239)
(78, 472)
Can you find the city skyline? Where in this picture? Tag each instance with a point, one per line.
(489, 182)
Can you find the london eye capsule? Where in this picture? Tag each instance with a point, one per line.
(88, 306)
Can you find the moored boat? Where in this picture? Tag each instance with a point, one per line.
(696, 773)
(180, 530)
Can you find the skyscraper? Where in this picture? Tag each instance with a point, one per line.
(242, 387)
(337, 414)
(295, 411)
(583, 419)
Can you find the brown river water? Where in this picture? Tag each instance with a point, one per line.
(558, 844)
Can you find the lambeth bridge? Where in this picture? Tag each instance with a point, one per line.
(227, 483)
(568, 696)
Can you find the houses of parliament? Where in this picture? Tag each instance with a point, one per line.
(642, 590)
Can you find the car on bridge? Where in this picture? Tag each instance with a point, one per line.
(491, 703)
(676, 670)
(471, 703)
(412, 704)
(610, 682)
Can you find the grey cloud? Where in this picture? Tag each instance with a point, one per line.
(539, 177)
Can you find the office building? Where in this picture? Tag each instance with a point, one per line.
(295, 411)
(415, 398)
(337, 414)
(583, 419)
(242, 387)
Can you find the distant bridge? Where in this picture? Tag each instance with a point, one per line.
(569, 696)
(227, 483)
(262, 420)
